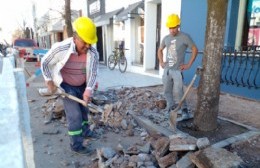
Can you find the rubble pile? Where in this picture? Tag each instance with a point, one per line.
(181, 151)
(157, 150)
(116, 106)
(53, 109)
(139, 101)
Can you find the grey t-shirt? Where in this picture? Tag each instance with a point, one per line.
(176, 47)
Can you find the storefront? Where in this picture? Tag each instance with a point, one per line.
(253, 12)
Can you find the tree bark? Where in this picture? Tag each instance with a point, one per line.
(68, 18)
(205, 117)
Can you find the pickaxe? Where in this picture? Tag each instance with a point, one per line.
(173, 113)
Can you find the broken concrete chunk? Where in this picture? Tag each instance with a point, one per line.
(124, 124)
(216, 157)
(132, 150)
(185, 161)
(108, 109)
(134, 158)
(118, 105)
(110, 161)
(183, 143)
(130, 132)
(58, 106)
(162, 146)
(167, 160)
(146, 148)
(108, 152)
(143, 157)
(143, 134)
(203, 143)
(119, 148)
(132, 164)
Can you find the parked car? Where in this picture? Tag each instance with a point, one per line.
(25, 47)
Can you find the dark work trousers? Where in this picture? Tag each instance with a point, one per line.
(76, 115)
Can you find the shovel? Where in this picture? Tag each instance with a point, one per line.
(173, 113)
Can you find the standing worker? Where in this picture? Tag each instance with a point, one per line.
(72, 65)
(176, 43)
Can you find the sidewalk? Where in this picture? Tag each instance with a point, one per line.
(106, 79)
(115, 79)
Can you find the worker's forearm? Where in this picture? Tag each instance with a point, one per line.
(193, 55)
(160, 56)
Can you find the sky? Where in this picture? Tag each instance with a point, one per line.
(12, 14)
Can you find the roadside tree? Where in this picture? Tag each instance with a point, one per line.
(205, 117)
(67, 18)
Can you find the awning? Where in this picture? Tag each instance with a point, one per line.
(105, 19)
(124, 14)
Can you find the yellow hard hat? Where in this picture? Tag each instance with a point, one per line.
(86, 29)
(173, 21)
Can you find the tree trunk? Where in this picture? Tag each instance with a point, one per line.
(68, 18)
(205, 117)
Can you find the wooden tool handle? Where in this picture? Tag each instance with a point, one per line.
(75, 99)
(186, 93)
(91, 106)
(173, 113)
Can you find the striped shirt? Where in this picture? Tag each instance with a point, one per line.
(57, 57)
(74, 71)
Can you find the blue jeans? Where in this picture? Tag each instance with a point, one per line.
(173, 87)
(76, 115)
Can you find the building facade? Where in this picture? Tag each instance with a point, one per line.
(140, 26)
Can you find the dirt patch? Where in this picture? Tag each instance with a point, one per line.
(224, 130)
